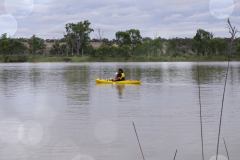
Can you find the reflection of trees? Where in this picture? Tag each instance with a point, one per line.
(133, 73)
(234, 74)
(209, 74)
(5, 80)
(216, 73)
(173, 72)
(77, 84)
(15, 78)
(35, 77)
(153, 74)
(12, 80)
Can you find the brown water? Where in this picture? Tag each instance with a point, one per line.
(57, 112)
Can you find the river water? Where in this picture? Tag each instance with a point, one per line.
(55, 111)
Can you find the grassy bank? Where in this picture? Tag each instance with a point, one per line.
(163, 58)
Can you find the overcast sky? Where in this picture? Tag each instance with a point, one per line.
(164, 18)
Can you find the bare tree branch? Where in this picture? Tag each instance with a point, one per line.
(139, 144)
(233, 31)
(175, 155)
(225, 144)
(200, 111)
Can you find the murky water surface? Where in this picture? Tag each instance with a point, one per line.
(57, 112)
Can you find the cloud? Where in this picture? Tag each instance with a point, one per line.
(165, 18)
(2, 8)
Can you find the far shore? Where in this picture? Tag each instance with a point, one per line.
(162, 58)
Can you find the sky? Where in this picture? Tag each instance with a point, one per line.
(154, 18)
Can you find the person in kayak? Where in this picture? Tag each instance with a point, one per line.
(120, 76)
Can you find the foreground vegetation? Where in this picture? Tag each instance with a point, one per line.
(129, 45)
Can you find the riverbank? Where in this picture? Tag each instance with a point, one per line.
(163, 58)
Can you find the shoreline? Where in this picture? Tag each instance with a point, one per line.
(162, 58)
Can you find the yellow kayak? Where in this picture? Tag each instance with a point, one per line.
(106, 81)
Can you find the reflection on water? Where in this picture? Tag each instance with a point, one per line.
(120, 89)
(77, 84)
(56, 111)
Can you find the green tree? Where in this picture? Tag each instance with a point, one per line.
(4, 44)
(131, 38)
(56, 48)
(179, 46)
(218, 46)
(36, 45)
(123, 38)
(202, 41)
(172, 47)
(78, 36)
(63, 49)
(150, 47)
(10, 46)
(135, 37)
(238, 47)
(17, 47)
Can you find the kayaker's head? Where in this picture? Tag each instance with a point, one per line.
(120, 70)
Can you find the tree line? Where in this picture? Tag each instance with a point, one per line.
(77, 42)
